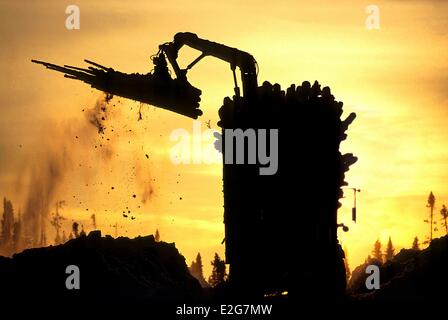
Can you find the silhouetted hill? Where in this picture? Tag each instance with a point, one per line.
(111, 270)
(412, 275)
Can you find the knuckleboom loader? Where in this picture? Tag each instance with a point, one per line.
(280, 230)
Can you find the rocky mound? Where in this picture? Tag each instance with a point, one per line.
(110, 270)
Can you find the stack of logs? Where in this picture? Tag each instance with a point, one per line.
(281, 230)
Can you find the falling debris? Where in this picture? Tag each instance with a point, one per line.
(93, 217)
(98, 114)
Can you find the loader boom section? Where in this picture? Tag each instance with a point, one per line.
(236, 58)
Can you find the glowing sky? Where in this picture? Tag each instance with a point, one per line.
(395, 79)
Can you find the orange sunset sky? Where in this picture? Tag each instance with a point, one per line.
(395, 79)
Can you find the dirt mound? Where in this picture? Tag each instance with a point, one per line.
(110, 270)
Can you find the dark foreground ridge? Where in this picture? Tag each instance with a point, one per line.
(411, 276)
(111, 270)
(153, 276)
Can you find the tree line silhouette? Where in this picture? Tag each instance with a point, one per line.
(431, 204)
(219, 273)
(13, 236)
(380, 257)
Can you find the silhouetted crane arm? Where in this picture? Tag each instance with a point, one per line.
(237, 58)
